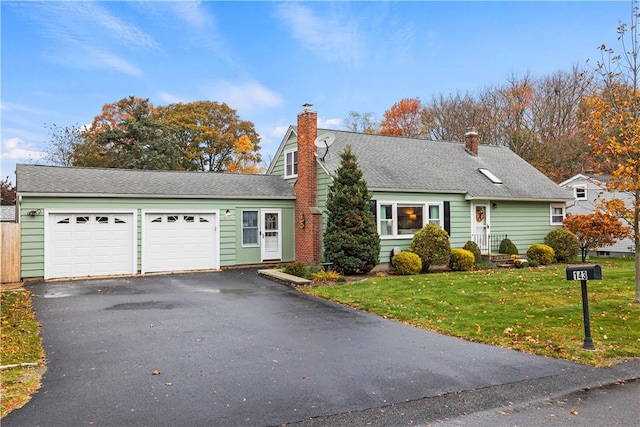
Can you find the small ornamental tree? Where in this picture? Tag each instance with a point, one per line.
(351, 241)
(595, 230)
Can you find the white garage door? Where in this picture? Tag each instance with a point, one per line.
(179, 241)
(89, 244)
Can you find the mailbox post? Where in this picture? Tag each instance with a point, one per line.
(584, 273)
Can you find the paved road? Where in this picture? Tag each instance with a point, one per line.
(616, 405)
(232, 348)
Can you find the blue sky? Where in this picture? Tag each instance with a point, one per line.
(62, 61)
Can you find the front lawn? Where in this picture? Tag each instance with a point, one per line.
(534, 310)
(21, 345)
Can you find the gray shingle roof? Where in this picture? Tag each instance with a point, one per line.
(35, 179)
(404, 164)
(8, 213)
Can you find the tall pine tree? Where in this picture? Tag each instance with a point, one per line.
(351, 241)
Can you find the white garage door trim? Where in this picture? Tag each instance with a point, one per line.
(203, 241)
(93, 262)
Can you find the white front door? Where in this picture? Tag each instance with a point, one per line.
(271, 239)
(480, 226)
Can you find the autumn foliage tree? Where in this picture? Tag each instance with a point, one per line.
(403, 119)
(613, 127)
(207, 136)
(128, 134)
(133, 133)
(8, 192)
(595, 230)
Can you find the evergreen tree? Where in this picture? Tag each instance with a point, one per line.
(351, 241)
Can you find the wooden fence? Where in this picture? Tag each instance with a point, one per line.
(10, 252)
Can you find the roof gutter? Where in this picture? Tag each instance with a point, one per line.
(155, 196)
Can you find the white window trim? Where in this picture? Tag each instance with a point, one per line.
(575, 192)
(394, 206)
(286, 155)
(251, 245)
(564, 212)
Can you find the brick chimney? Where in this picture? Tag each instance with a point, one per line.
(308, 226)
(471, 141)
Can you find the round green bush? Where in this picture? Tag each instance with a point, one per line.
(462, 260)
(406, 263)
(541, 253)
(564, 243)
(473, 247)
(296, 269)
(507, 247)
(431, 244)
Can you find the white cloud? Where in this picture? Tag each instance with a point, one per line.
(329, 123)
(334, 37)
(12, 107)
(192, 13)
(17, 149)
(101, 59)
(168, 98)
(87, 35)
(246, 97)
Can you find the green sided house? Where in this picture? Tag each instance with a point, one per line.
(81, 222)
(475, 192)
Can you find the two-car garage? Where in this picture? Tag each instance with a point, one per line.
(100, 243)
(95, 222)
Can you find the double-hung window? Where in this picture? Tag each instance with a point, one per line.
(249, 228)
(557, 213)
(580, 192)
(291, 164)
(403, 220)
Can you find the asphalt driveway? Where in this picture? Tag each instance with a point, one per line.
(232, 348)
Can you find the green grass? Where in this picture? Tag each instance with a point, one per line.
(534, 310)
(20, 343)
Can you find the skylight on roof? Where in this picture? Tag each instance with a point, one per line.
(492, 177)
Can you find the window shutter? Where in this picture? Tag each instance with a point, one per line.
(447, 217)
(374, 210)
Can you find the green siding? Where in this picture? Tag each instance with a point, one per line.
(525, 223)
(278, 167)
(231, 251)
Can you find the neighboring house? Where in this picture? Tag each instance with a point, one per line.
(589, 191)
(474, 192)
(82, 222)
(79, 222)
(8, 213)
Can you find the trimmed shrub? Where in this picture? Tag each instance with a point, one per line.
(507, 247)
(326, 276)
(564, 243)
(431, 244)
(296, 269)
(462, 260)
(541, 253)
(533, 263)
(406, 263)
(473, 247)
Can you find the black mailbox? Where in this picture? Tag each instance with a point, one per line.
(584, 272)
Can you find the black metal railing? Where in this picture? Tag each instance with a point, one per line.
(488, 243)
